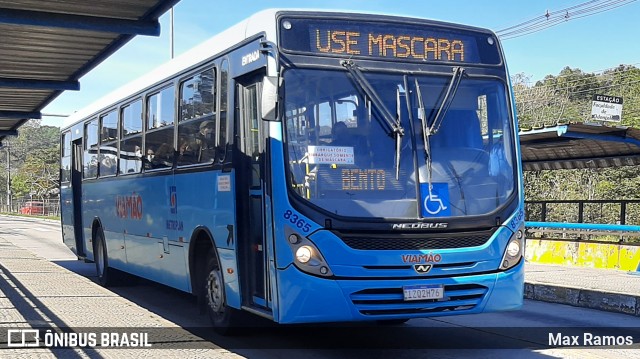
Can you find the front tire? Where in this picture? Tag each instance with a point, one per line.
(225, 320)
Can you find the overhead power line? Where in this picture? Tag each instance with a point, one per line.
(550, 19)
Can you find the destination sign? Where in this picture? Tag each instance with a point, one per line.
(385, 44)
(392, 41)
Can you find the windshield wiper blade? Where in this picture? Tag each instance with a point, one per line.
(447, 100)
(426, 132)
(393, 126)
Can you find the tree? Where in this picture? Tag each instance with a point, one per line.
(34, 160)
(38, 175)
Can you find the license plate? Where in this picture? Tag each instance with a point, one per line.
(423, 292)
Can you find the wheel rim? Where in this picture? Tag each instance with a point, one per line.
(215, 291)
(100, 258)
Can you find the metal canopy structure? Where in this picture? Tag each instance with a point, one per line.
(46, 46)
(579, 145)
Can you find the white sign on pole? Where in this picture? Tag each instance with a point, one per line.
(606, 108)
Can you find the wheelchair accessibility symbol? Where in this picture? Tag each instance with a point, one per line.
(435, 200)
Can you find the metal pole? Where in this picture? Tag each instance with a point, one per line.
(171, 32)
(8, 180)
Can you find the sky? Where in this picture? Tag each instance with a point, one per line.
(591, 43)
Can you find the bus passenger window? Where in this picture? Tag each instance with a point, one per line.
(196, 142)
(131, 143)
(90, 156)
(108, 144)
(197, 125)
(160, 109)
(159, 146)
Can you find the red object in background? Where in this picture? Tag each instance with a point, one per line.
(33, 207)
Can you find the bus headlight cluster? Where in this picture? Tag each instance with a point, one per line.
(514, 251)
(306, 255)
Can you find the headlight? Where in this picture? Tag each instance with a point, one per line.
(515, 250)
(306, 255)
(303, 254)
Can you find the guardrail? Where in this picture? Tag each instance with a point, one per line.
(629, 234)
(580, 211)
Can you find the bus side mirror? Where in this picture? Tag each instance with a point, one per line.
(269, 99)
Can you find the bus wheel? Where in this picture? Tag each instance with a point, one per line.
(225, 319)
(106, 276)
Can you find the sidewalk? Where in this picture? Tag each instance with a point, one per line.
(38, 296)
(602, 289)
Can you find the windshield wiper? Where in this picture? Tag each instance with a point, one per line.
(428, 131)
(391, 125)
(426, 134)
(447, 100)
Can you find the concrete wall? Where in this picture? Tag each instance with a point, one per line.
(583, 254)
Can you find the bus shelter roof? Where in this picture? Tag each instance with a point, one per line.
(47, 46)
(579, 145)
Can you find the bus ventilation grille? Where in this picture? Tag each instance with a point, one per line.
(389, 301)
(403, 243)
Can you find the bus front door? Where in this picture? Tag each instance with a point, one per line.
(252, 246)
(76, 196)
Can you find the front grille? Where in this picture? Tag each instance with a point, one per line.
(386, 301)
(392, 241)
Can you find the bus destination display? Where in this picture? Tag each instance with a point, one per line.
(375, 44)
(388, 41)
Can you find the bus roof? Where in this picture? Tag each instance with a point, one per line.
(198, 54)
(263, 21)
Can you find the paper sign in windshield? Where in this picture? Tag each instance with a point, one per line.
(331, 155)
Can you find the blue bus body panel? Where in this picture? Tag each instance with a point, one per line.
(148, 222)
(66, 217)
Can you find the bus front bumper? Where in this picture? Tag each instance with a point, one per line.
(308, 299)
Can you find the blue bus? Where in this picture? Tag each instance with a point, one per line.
(309, 167)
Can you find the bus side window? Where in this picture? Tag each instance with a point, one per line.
(159, 136)
(90, 156)
(197, 121)
(131, 135)
(108, 144)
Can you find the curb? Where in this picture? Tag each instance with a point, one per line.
(586, 298)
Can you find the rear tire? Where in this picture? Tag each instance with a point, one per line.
(225, 320)
(106, 276)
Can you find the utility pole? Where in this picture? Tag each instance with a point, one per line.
(171, 33)
(8, 179)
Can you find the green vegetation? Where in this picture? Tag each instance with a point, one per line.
(33, 162)
(566, 98)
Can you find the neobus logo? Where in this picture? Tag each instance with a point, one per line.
(420, 225)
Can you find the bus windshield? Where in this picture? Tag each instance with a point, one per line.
(342, 159)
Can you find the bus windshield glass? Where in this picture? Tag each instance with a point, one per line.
(342, 159)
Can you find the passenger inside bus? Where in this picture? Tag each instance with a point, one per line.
(342, 136)
(203, 145)
(163, 157)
